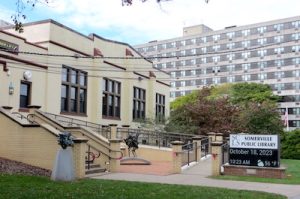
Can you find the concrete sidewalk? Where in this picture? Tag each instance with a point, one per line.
(291, 191)
(197, 175)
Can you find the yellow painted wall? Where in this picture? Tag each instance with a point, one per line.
(46, 86)
(154, 154)
(32, 145)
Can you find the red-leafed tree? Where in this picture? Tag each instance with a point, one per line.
(240, 107)
(213, 115)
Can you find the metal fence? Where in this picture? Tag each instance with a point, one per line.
(189, 153)
(225, 153)
(71, 122)
(154, 138)
(204, 146)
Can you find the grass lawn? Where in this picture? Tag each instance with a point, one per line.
(292, 173)
(18, 186)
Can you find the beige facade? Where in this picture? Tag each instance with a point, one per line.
(46, 47)
(266, 52)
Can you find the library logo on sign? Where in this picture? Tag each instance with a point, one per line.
(235, 140)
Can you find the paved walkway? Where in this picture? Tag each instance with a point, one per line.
(197, 175)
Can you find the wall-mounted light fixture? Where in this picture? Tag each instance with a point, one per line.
(11, 88)
(27, 75)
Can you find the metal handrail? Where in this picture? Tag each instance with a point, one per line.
(223, 147)
(205, 146)
(188, 148)
(71, 122)
(19, 115)
(155, 138)
(89, 161)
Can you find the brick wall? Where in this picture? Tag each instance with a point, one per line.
(254, 171)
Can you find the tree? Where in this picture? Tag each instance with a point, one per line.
(241, 107)
(223, 90)
(213, 115)
(244, 93)
(19, 14)
(181, 122)
(260, 118)
(290, 145)
(183, 100)
(199, 114)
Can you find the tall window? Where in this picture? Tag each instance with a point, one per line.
(111, 99)
(160, 107)
(278, 27)
(73, 91)
(216, 37)
(246, 32)
(262, 29)
(262, 41)
(246, 44)
(25, 94)
(230, 35)
(139, 103)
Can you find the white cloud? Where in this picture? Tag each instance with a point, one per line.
(149, 21)
(5, 14)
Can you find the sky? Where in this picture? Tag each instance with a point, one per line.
(144, 22)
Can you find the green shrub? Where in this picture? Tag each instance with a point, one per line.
(290, 145)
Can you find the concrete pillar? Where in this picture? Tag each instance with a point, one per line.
(115, 155)
(79, 153)
(113, 131)
(212, 135)
(216, 158)
(197, 141)
(219, 137)
(177, 156)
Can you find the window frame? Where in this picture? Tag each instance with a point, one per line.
(78, 87)
(160, 106)
(138, 114)
(114, 95)
(29, 91)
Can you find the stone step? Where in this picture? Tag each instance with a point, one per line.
(92, 166)
(95, 170)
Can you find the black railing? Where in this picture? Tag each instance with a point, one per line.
(154, 138)
(204, 146)
(19, 115)
(71, 122)
(189, 153)
(90, 157)
(225, 153)
(24, 118)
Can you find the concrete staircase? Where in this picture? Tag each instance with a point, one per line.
(94, 169)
